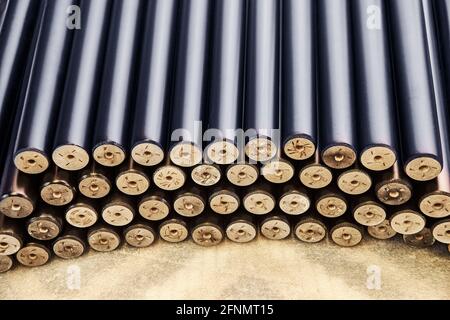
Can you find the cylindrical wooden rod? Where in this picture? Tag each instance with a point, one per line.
(376, 112)
(227, 79)
(112, 134)
(336, 91)
(261, 111)
(73, 138)
(151, 120)
(188, 108)
(18, 27)
(299, 103)
(419, 127)
(436, 200)
(44, 90)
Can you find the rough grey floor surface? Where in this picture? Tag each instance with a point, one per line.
(262, 269)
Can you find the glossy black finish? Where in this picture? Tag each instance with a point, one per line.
(12, 226)
(174, 218)
(79, 104)
(16, 43)
(57, 175)
(413, 80)
(261, 111)
(209, 218)
(117, 198)
(289, 188)
(156, 74)
(336, 100)
(260, 186)
(191, 189)
(44, 211)
(441, 94)
(3, 9)
(192, 68)
(227, 67)
(104, 227)
(299, 111)
(120, 74)
(138, 222)
(45, 87)
(15, 182)
(376, 109)
(442, 11)
(77, 233)
(243, 216)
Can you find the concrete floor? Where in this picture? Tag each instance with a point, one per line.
(262, 269)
